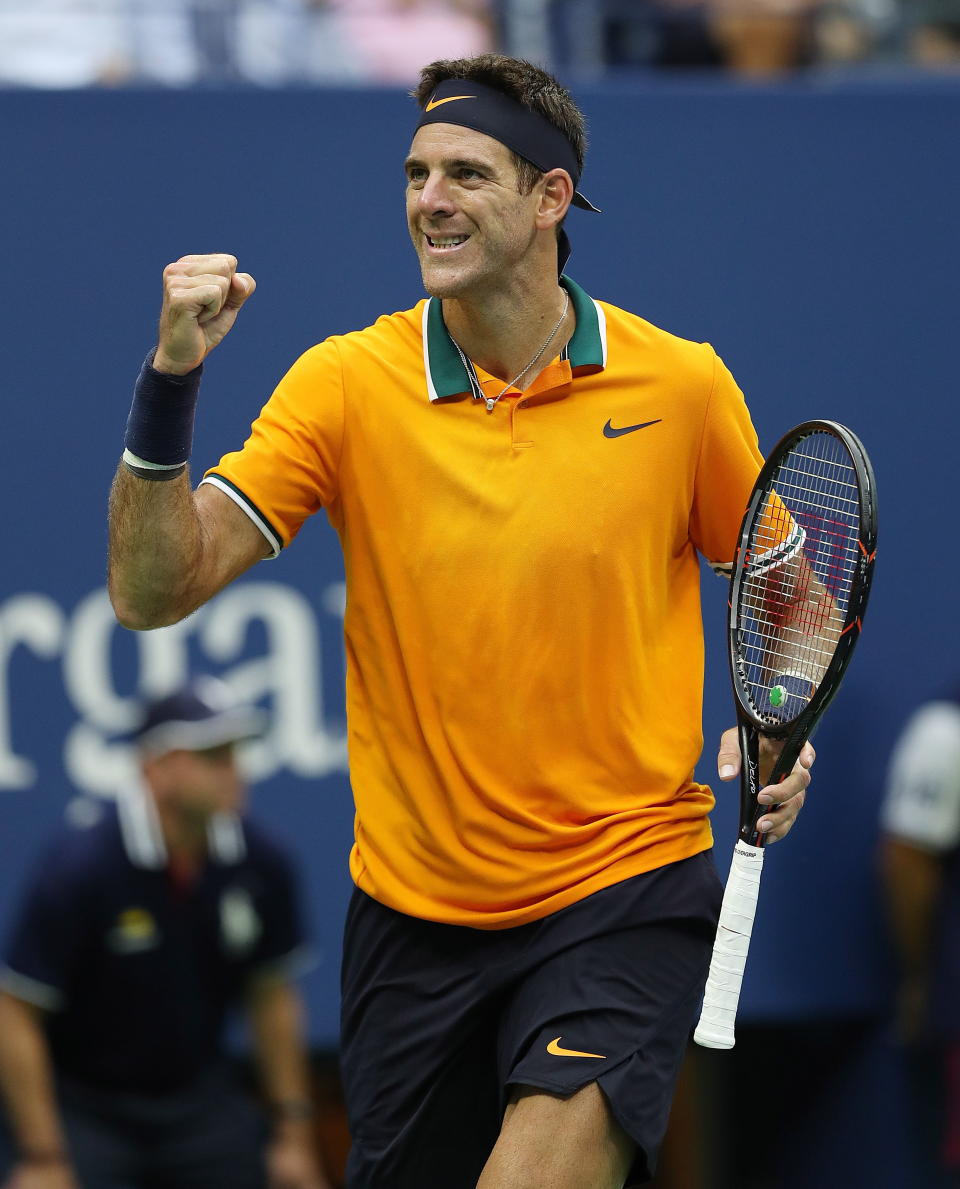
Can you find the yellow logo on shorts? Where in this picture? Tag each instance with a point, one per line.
(554, 1047)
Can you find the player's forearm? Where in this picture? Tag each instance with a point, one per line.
(26, 1081)
(155, 557)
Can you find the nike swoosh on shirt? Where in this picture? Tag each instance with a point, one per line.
(450, 99)
(554, 1047)
(610, 431)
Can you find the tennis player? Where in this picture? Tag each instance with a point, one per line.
(521, 477)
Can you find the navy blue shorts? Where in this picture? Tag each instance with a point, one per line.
(440, 1021)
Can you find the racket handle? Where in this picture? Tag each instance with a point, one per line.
(722, 992)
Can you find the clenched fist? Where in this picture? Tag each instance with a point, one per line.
(202, 296)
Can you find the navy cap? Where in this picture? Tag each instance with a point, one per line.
(201, 715)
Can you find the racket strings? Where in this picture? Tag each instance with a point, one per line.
(798, 571)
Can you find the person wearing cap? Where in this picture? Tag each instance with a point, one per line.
(919, 862)
(522, 478)
(140, 932)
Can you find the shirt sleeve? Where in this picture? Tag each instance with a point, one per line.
(922, 798)
(727, 468)
(43, 948)
(288, 466)
(283, 947)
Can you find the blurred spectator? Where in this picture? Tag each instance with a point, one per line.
(83, 43)
(666, 34)
(763, 38)
(394, 38)
(934, 32)
(853, 31)
(756, 38)
(591, 35)
(63, 43)
(271, 42)
(280, 41)
(141, 930)
(163, 46)
(751, 38)
(921, 869)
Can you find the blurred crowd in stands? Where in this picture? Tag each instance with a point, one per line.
(80, 43)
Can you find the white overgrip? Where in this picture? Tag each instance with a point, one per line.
(722, 992)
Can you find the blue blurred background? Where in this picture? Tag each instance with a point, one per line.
(798, 210)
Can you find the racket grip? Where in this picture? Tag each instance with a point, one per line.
(722, 992)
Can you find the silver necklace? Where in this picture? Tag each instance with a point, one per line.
(490, 401)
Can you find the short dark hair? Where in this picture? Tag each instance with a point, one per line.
(522, 81)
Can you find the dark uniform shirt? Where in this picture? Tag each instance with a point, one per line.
(137, 970)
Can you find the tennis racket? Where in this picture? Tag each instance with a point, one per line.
(798, 592)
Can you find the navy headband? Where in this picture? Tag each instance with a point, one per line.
(526, 132)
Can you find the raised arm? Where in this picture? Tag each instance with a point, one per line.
(171, 549)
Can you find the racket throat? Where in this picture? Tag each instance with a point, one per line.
(750, 784)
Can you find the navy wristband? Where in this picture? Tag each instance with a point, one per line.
(160, 424)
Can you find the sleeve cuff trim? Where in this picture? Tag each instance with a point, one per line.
(246, 505)
(31, 990)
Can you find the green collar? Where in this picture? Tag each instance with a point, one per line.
(447, 376)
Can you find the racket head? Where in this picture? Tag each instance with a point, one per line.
(800, 583)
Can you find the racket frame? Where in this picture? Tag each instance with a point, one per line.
(796, 731)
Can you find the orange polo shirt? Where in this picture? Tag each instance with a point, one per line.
(524, 645)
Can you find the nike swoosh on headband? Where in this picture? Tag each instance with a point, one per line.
(449, 99)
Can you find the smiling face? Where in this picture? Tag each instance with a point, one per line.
(471, 227)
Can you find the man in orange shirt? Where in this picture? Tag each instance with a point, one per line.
(521, 478)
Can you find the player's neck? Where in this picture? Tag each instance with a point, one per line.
(503, 332)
